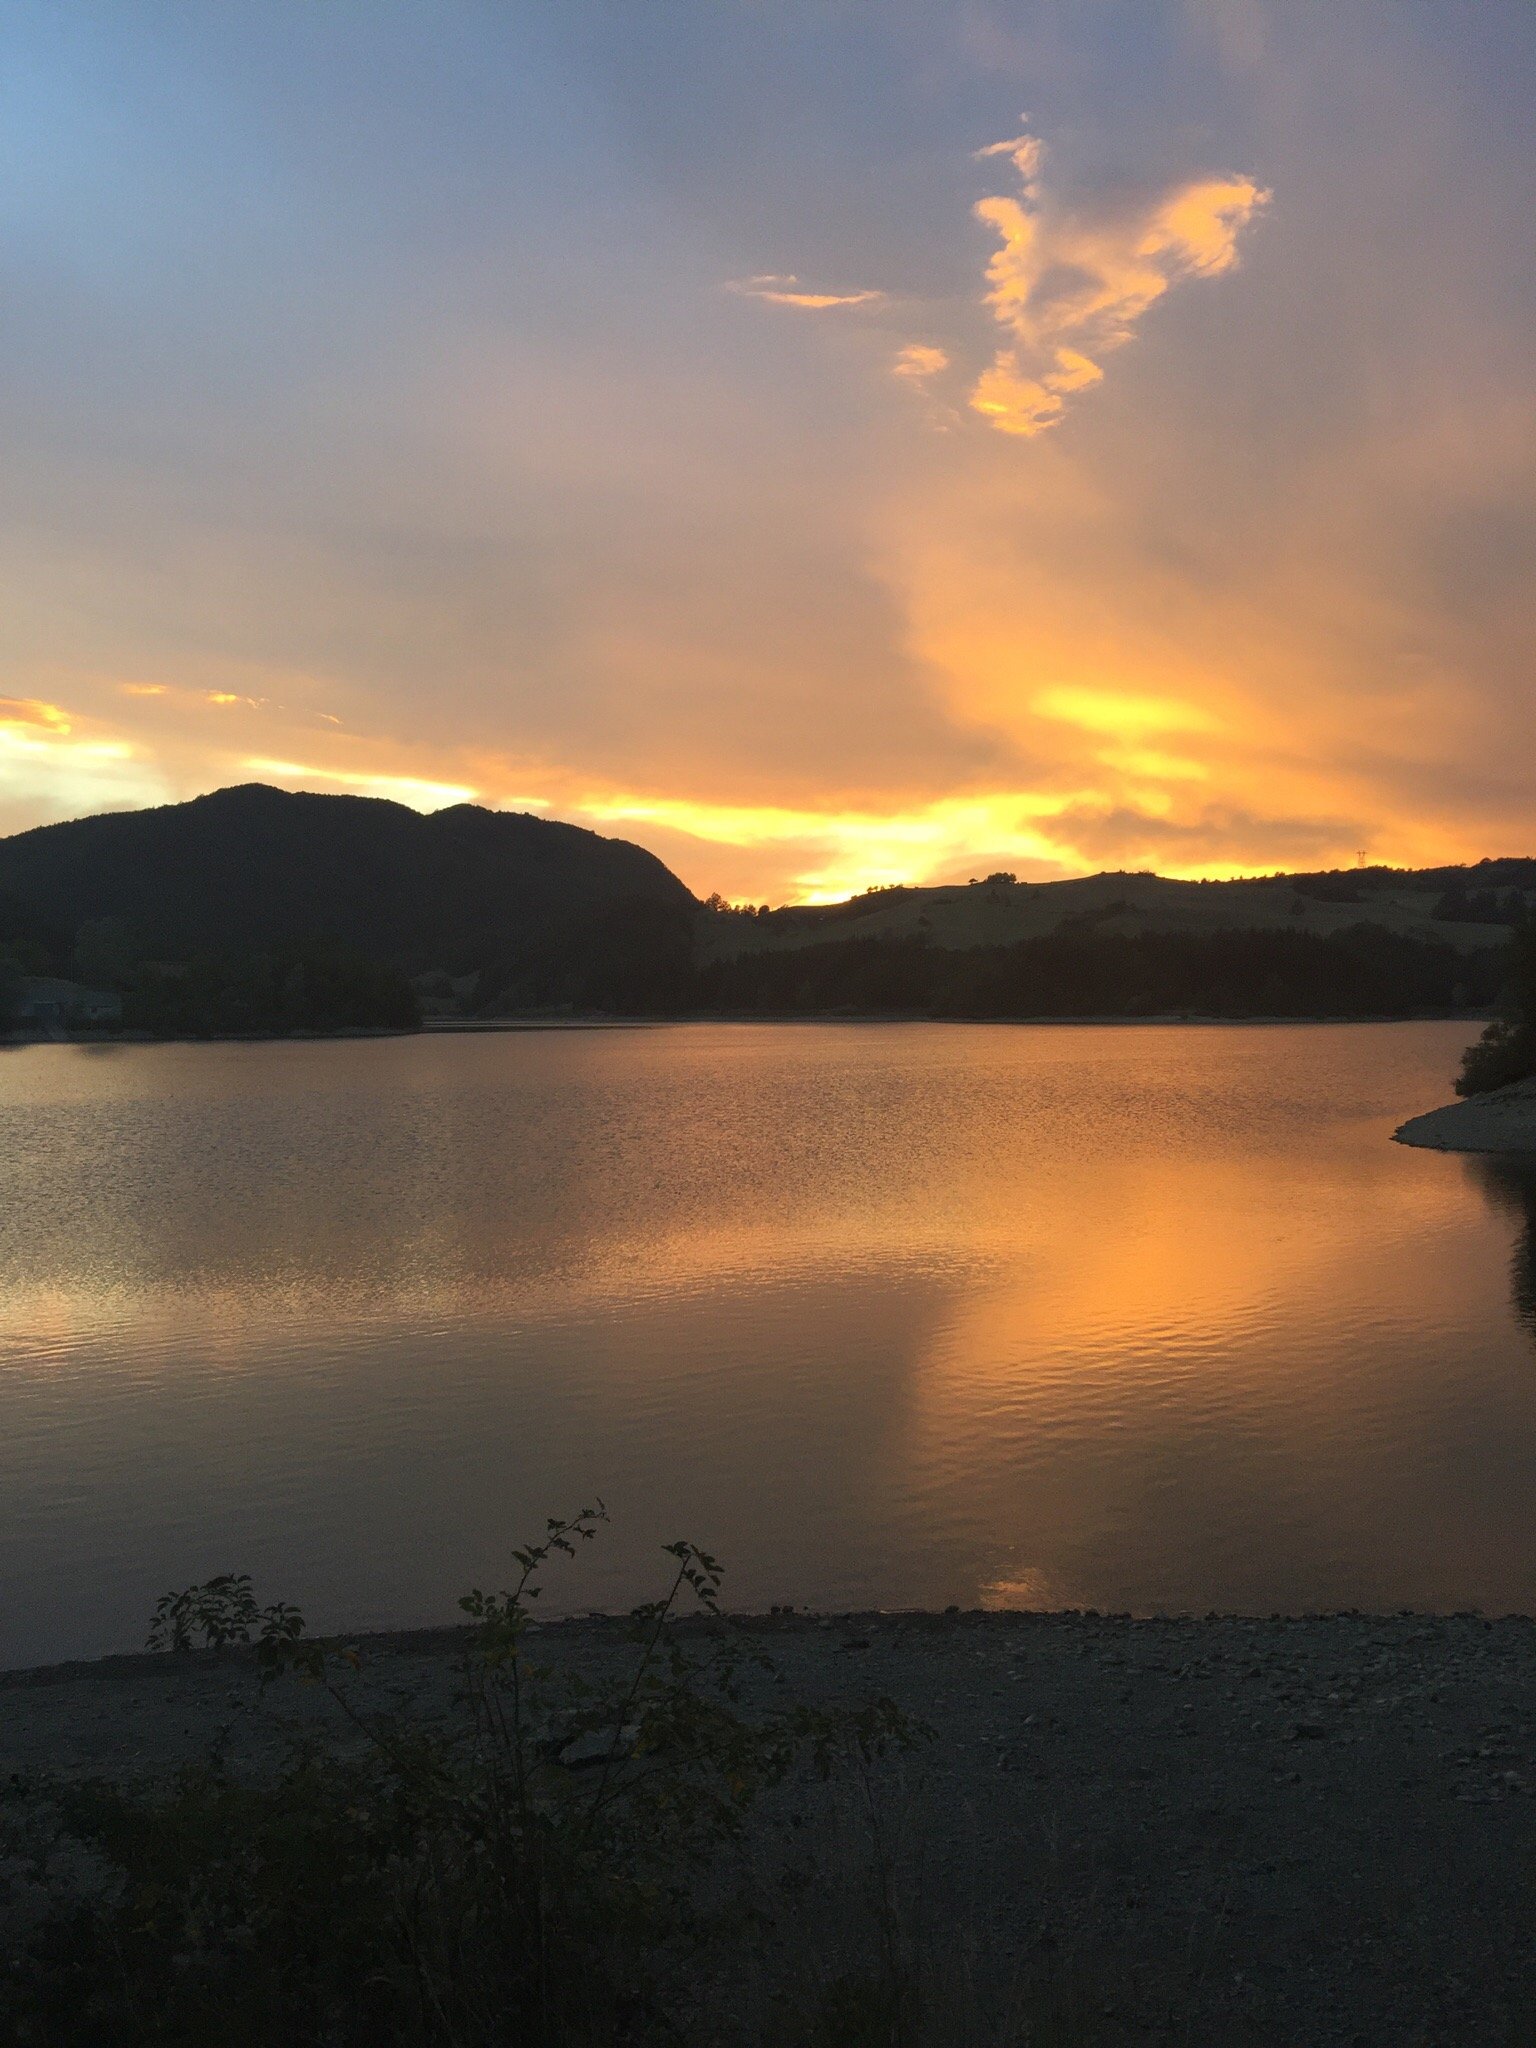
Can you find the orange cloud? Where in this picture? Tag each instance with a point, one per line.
(1216, 713)
(1120, 714)
(917, 363)
(24, 711)
(1070, 283)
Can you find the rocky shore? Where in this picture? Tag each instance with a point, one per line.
(1504, 1120)
(1295, 1832)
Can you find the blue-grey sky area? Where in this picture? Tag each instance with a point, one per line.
(830, 444)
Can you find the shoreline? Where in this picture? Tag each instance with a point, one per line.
(442, 1027)
(437, 1641)
(1159, 1018)
(1502, 1121)
(1317, 1829)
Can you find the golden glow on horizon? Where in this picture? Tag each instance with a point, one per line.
(413, 790)
(804, 854)
(844, 852)
(46, 762)
(1115, 800)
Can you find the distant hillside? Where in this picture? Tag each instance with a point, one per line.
(1363, 942)
(530, 909)
(1470, 908)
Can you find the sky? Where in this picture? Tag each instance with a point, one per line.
(830, 444)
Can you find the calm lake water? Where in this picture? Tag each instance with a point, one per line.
(1135, 1317)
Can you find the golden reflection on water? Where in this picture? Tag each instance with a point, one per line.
(1129, 1317)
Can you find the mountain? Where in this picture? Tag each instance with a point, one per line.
(254, 909)
(539, 911)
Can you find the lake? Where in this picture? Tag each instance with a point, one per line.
(1132, 1317)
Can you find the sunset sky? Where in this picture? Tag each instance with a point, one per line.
(830, 444)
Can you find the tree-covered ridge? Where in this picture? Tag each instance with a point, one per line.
(1363, 971)
(303, 988)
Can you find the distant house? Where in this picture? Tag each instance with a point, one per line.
(50, 1004)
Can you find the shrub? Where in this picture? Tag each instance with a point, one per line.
(222, 1612)
(1506, 1051)
(545, 1868)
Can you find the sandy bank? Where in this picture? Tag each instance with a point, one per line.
(1501, 1121)
(1318, 1831)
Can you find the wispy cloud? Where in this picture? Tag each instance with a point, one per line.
(789, 291)
(918, 363)
(1071, 281)
(32, 711)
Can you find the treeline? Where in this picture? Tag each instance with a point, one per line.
(634, 957)
(1460, 905)
(301, 988)
(640, 959)
(1364, 971)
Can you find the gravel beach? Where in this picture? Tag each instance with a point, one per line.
(1294, 1831)
(1504, 1120)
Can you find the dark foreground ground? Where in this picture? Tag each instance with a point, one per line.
(1214, 1832)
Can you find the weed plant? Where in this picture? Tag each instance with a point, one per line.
(551, 1865)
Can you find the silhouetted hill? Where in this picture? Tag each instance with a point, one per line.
(531, 907)
(253, 909)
